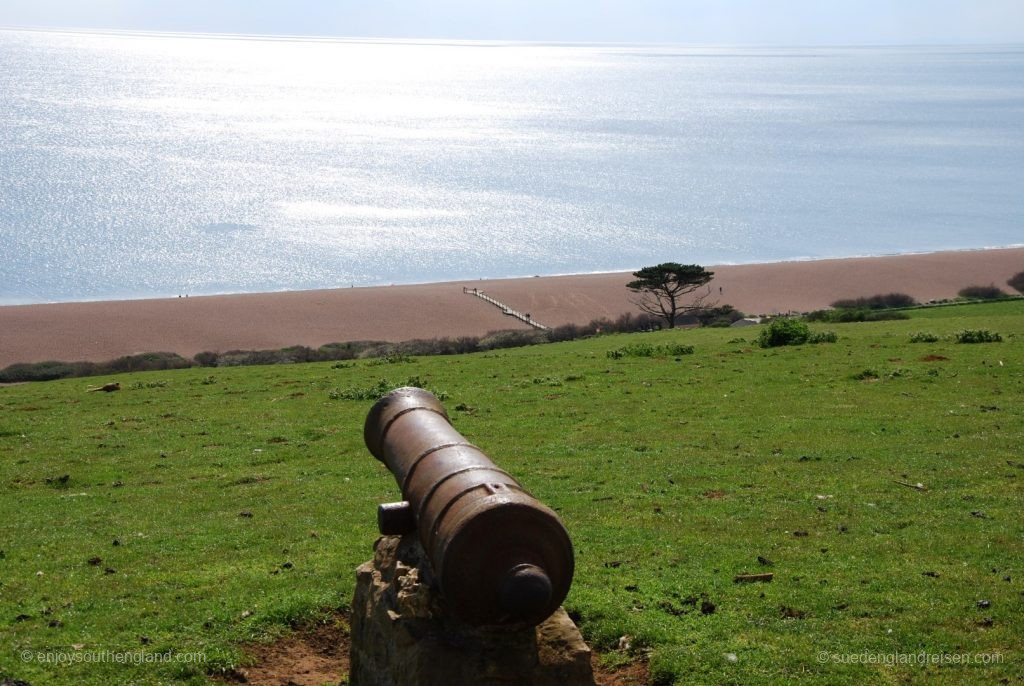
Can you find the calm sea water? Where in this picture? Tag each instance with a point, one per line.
(140, 165)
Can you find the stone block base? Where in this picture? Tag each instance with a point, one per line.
(401, 635)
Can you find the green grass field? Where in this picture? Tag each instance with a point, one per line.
(672, 475)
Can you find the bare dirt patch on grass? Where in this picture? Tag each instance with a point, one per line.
(314, 654)
(317, 653)
(633, 674)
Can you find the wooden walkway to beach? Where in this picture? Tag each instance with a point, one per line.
(505, 309)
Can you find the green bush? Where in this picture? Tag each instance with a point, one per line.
(424, 346)
(923, 337)
(512, 339)
(784, 331)
(982, 293)
(977, 336)
(345, 351)
(42, 371)
(206, 359)
(790, 331)
(843, 316)
(301, 353)
(50, 370)
(143, 362)
(721, 316)
(876, 302)
(238, 358)
(625, 323)
(629, 322)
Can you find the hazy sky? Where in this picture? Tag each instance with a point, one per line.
(683, 21)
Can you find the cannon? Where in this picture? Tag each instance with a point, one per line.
(499, 556)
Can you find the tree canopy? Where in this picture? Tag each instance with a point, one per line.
(662, 289)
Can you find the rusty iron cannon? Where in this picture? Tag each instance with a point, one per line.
(499, 555)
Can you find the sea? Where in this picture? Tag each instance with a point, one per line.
(152, 165)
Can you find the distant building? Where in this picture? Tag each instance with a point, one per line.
(746, 321)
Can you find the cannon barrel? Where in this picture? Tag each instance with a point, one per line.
(499, 555)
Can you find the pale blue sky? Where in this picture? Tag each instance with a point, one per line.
(808, 22)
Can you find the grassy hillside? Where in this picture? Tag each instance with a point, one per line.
(198, 508)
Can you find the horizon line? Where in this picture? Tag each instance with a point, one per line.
(471, 42)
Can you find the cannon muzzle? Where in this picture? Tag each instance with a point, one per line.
(500, 556)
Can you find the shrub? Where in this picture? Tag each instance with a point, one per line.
(567, 332)
(884, 315)
(300, 353)
(1016, 282)
(430, 346)
(784, 331)
(237, 358)
(923, 337)
(345, 351)
(649, 350)
(821, 315)
(206, 359)
(47, 371)
(379, 350)
(843, 316)
(338, 351)
(143, 362)
(719, 316)
(43, 371)
(624, 323)
(977, 336)
(790, 331)
(982, 293)
(866, 375)
(629, 323)
(511, 339)
(876, 302)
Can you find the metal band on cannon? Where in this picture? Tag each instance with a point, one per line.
(500, 556)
